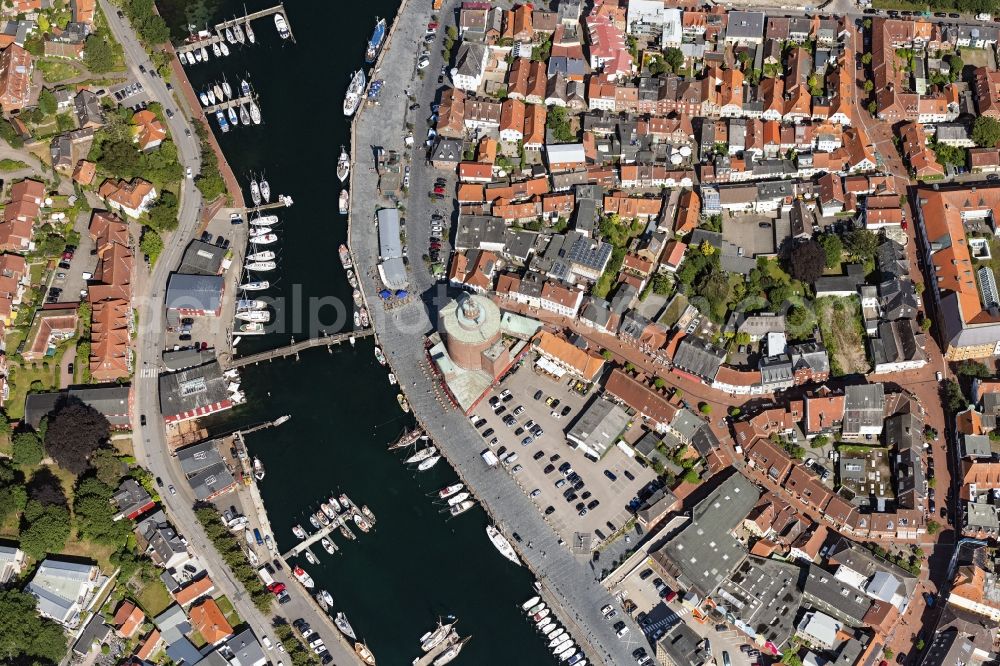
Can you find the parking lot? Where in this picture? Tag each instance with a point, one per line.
(542, 464)
(656, 616)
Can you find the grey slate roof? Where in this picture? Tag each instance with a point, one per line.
(864, 405)
(110, 400)
(194, 292)
(201, 258)
(192, 389)
(475, 231)
(699, 357)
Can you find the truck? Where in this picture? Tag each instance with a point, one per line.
(489, 458)
(258, 537)
(265, 576)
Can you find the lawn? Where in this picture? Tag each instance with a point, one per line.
(841, 328)
(54, 71)
(154, 598)
(226, 606)
(21, 378)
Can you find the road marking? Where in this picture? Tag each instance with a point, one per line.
(148, 373)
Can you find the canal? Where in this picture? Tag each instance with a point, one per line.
(417, 565)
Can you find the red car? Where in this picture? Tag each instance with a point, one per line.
(67, 255)
(276, 588)
(432, 26)
(669, 596)
(438, 189)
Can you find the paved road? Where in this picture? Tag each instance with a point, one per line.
(150, 441)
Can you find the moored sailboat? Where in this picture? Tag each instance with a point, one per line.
(501, 543)
(345, 627)
(451, 653)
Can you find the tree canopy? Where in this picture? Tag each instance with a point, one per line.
(27, 449)
(807, 261)
(986, 131)
(74, 432)
(163, 213)
(25, 636)
(95, 515)
(98, 54)
(46, 528)
(861, 244)
(833, 249)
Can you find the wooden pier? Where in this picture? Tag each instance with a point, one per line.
(316, 537)
(236, 102)
(282, 202)
(207, 42)
(429, 658)
(294, 348)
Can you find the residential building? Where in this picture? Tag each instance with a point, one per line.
(64, 589)
(130, 197)
(15, 78)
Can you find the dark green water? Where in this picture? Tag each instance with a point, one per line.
(415, 566)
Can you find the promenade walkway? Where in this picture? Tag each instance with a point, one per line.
(401, 331)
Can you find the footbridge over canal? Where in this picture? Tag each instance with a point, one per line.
(293, 348)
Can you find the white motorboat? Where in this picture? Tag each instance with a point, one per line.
(432, 639)
(343, 204)
(451, 653)
(461, 497)
(357, 320)
(250, 304)
(234, 119)
(258, 466)
(530, 602)
(227, 90)
(265, 190)
(257, 286)
(547, 628)
(266, 239)
(221, 119)
(282, 26)
(182, 57)
(238, 33)
(251, 328)
(448, 491)
(362, 523)
(211, 95)
(544, 624)
(204, 54)
(245, 87)
(345, 627)
(461, 508)
(557, 636)
(326, 596)
(545, 612)
(559, 640)
(392, 377)
(326, 509)
(260, 231)
(537, 607)
(500, 542)
(229, 35)
(266, 255)
(255, 192)
(303, 577)
(264, 220)
(567, 653)
(421, 455)
(216, 51)
(244, 114)
(254, 113)
(310, 558)
(427, 464)
(259, 316)
(343, 165)
(314, 521)
(204, 99)
(250, 36)
(224, 49)
(328, 545)
(354, 93)
(298, 532)
(335, 504)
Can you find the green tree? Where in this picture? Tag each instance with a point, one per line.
(659, 382)
(95, 515)
(74, 432)
(13, 495)
(986, 131)
(954, 399)
(151, 243)
(673, 58)
(98, 54)
(557, 121)
(861, 245)
(27, 449)
(25, 636)
(691, 476)
(108, 466)
(607, 355)
(797, 316)
(705, 408)
(163, 213)
(970, 368)
(866, 58)
(47, 528)
(791, 658)
(956, 64)
(662, 284)
(47, 101)
(933, 527)
(833, 249)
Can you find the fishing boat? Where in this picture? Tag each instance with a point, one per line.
(258, 469)
(346, 531)
(461, 508)
(254, 113)
(343, 165)
(262, 316)
(328, 545)
(357, 320)
(217, 89)
(448, 491)
(257, 286)
(330, 513)
(343, 202)
(227, 90)
(314, 521)
(432, 639)
(298, 532)
(362, 523)
(266, 255)
(216, 51)
(335, 504)
(259, 266)
(223, 125)
(379, 356)
(375, 43)
(244, 114)
(260, 231)
(234, 119)
(265, 220)
(211, 96)
(427, 464)
(255, 191)
(203, 52)
(449, 655)
(204, 99)
(238, 33)
(354, 91)
(230, 37)
(364, 316)
(461, 497)
(345, 259)
(264, 239)
(368, 513)
(360, 648)
(250, 328)
(501, 544)
(421, 455)
(537, 607)
(345, 627)
(224, 49)
(403, 404)
(245, 87)
(265, 190)
(303, 577)
(250, 36)
(282, 26)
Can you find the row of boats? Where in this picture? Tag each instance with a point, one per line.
(343, 169)
(240, 32)
(238, 112)
(334, 513)
(560, 642)
(356, 88)
(444, 635)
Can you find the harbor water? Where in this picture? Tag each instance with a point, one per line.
(416, 565)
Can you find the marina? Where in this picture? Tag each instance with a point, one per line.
(209, 39)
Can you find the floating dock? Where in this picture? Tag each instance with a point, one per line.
(236, 103)
(294, 348)
(207, 42)
(428, 659)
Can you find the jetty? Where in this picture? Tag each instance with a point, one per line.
(428, 659)
(234, 103)
(206, 41)
(317, 536)
(282, 202)
(294, 348)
